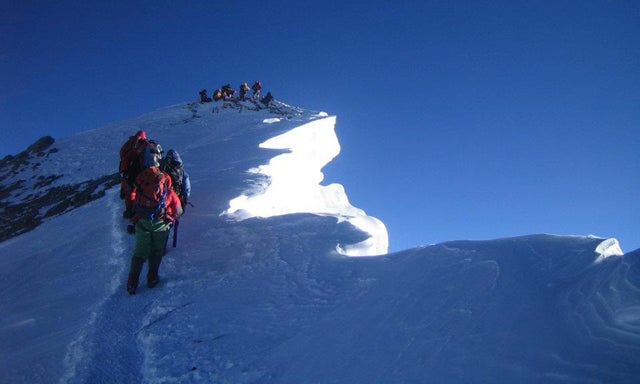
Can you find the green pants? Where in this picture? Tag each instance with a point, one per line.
(151, 239)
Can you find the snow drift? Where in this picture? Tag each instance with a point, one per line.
(293, 186)
(261, 294)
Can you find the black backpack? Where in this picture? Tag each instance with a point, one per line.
(176, 172)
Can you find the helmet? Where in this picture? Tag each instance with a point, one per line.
(174, 156)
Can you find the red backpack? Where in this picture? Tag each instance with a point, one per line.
(128, 150)
(152, 187)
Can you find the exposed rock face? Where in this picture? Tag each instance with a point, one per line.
(28, 195)
(11, 164)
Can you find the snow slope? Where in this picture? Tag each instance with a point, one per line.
(259, 289)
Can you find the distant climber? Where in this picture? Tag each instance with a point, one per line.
(227, 91)
(173, 166)
(257, 87)
(203, 97)
(244, 88)
(267, 99)
(157, 207)
(217, 95)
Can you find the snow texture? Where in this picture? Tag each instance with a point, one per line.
(260, 288)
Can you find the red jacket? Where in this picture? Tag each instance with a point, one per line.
(127, 152)
(172, 204)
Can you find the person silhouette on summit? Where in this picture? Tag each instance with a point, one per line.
(203, 97)
(257, 87)
(244, 88)
(267, 99)
(227, 91)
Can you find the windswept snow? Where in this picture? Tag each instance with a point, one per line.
(262, 296)
(609, 247)
(293, 186)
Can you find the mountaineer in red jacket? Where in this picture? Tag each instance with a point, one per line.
(129, 168)
(156, 208)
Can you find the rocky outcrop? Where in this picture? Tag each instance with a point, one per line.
(28, 195)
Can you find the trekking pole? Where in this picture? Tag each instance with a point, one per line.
(175, 233)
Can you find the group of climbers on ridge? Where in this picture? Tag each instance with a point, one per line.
(226, 92)
(156, 192)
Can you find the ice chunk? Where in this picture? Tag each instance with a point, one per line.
(609, 247)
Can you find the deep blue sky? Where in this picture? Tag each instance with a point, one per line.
(457, 119)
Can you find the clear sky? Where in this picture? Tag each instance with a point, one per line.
(457, 119)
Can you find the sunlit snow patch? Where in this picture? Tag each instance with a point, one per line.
(607, 248)
(294, 186)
